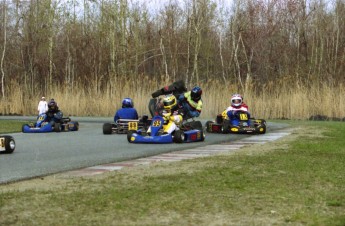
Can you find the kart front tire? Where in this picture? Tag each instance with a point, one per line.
(262, 129)
(129, 135)
(225, 128)
(107, 128)
(10, 144)
(179, 136)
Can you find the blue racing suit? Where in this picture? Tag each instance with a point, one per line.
(126, 113)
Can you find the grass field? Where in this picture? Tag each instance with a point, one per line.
(297, 180)
(11, 126)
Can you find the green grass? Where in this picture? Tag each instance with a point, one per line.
(296, 181)
(11, 126)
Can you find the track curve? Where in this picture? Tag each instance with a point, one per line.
(48, 153)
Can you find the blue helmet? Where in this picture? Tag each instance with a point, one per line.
(196, 93)
(127, 103)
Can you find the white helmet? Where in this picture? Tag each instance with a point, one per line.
(236, 100)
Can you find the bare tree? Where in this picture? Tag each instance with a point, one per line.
(4, 13)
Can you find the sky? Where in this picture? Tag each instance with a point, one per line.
(155, 5)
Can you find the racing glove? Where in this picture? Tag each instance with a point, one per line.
(58, 115)
(231, 114)
(166, 115)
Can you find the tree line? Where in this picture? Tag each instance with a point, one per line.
(92, 44)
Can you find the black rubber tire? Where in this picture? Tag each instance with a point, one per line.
(225, 128)
(152, 107)
(10, 145)
(208, 126)
(76, 126)
(197, 125)
(178, 136)
(107, 128)
(129, 135)
(203, 136)
(57, 127)
(262, 126)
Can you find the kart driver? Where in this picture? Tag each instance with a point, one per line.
(127, 111)
(171, 115)
(53, 114)
(191, 102)
(237, 104)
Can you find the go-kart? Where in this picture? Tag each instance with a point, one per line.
(7, 144)
(155, 105)
(187, 132)
(43, 126)
(122, 126)
(241, 124)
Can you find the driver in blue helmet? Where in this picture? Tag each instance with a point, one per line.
(127, 111)
(191, 102)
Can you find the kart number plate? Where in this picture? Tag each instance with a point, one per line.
(40, 118)
(243, 117)
(2, 144)
(157, 123)
(132, 125)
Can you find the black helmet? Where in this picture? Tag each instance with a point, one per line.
(52, 106)
(196, 93)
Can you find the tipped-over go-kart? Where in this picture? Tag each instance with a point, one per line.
(187, 132)
(42, 125)
(7, 144)
(177, 88)
(241, 124)
(122, 126)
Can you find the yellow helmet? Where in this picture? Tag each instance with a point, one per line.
(169, 102)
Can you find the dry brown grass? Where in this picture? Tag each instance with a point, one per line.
(275, 100)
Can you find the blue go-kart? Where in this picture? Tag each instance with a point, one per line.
(187, 132)
(43, 126)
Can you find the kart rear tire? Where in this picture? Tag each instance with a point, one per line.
(208, 126)
(203, 136)
(76, 124)
(129, 135)
(193, 125)
(178, 136)
(10, 145)
(107, 128)
(57, 127)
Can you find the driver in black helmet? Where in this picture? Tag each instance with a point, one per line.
(191, 102)
(53, 114)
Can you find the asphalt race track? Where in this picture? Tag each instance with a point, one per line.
(47, 153)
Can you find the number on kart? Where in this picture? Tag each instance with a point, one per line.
(243, 117)
(2, 142)
(157, 123)
(132, 125)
